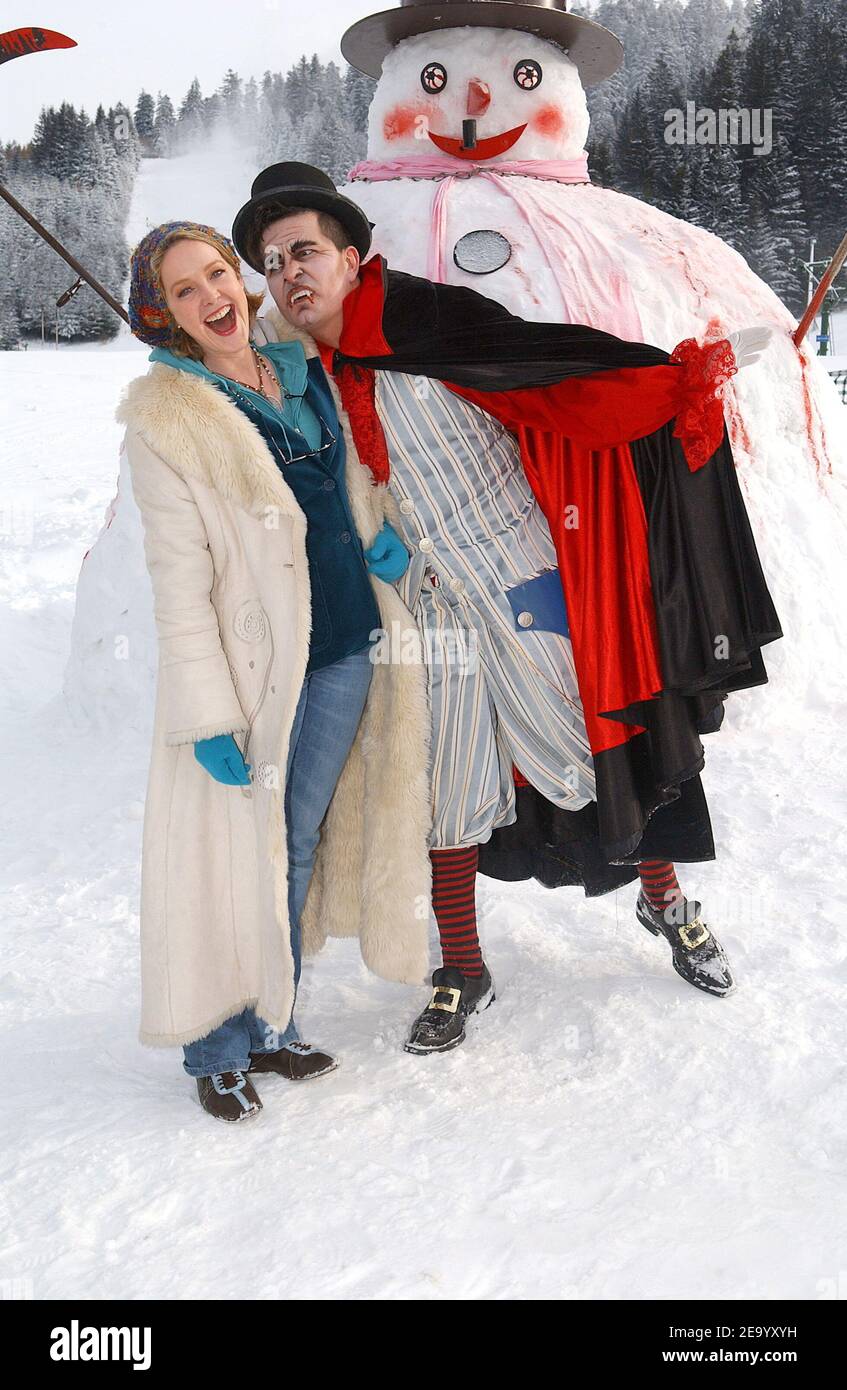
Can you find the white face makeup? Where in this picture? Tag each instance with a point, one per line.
(308, 276)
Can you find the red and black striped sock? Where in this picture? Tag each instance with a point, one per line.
(454, 905)
(659, 883)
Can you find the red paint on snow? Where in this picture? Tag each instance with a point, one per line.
(549, 120)
(738, 434)
(816, 436)
(405, 120)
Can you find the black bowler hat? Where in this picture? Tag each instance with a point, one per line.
(299, 186)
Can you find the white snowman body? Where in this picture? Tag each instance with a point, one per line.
(584, 254)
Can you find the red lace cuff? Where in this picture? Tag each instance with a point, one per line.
(700, 419)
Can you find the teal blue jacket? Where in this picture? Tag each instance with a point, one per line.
(345, 617)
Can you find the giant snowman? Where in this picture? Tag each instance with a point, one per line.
(476, 173)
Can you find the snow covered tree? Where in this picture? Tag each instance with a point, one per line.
(189, 126)
(665, 167)
(778, 233)
(58, 143)
(125, 140)
(145, 117)
(629, 146)
(230, 94)
(820, 149)
(10, 334)
(250, 111)
(301, 84)
(212, 113)
(163, 125)
(358, 94)
(276, 140)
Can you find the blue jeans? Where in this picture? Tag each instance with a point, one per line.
(325, 722)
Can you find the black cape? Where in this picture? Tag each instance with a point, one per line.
(704, 568)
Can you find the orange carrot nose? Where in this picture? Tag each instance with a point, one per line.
(479, 97)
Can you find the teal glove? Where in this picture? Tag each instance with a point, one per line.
(388, 557)
(221, 757)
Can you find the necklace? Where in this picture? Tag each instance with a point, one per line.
(260, 368)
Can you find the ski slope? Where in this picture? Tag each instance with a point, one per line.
(208, 185)
(606, 1132)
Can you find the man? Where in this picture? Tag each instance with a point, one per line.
(585, 581)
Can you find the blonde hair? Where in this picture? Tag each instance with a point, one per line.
(181, 342)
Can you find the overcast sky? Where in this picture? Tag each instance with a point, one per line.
(159, 45)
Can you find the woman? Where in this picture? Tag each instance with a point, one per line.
(284, 730)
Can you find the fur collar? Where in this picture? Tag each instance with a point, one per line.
(276, 329)
(188, 422)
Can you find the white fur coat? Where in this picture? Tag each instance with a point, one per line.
(225, 545)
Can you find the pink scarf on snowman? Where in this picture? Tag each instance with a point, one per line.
(593, 290)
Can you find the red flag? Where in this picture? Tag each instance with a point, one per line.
(16, 43)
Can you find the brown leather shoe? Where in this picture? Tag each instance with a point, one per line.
(228, 1095)
(296, 1062)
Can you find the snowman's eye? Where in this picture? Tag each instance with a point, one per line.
(434, 77)
(528, 74)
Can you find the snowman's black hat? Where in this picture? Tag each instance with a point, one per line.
(298, 185)
(595, 50)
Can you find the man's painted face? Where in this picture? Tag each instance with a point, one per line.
(308, 276)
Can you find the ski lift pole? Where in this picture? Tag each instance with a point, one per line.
(61, 251)
(820, 293)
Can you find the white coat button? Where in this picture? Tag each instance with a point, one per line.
(525, 619)
(407, 506)
(457, 585)
(426, 545)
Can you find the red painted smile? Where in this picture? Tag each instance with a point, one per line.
(483, 149)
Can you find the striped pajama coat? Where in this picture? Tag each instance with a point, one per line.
(502, 682)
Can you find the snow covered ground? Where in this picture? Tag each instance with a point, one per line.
(606, 1132)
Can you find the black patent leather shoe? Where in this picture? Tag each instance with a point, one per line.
(697, 954)
(455, 997)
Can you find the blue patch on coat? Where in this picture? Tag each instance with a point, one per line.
(543, 600)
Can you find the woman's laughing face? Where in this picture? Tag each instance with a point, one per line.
(206, 297)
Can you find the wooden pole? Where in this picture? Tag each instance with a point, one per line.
(66, 255)
(817, 298)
